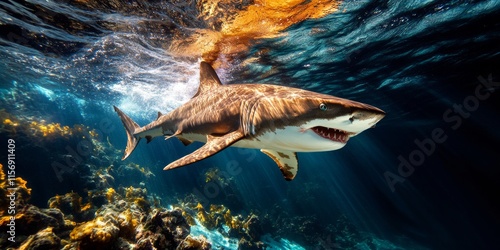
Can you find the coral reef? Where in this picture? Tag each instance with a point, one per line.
(44, 239)
(126, 220)
(191, 242)
(71, 206)
(37, 129)
(227, 191)
(29, 224)
(245, 244)
(163, 230)
(279, 222)
(101, 207)
(12, 187)
(101, 231)
(31, 219)
(75, 155)
(304, 229)
(219, 218)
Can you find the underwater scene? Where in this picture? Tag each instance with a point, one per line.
(249, 124)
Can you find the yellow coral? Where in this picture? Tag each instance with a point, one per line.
(48, 235)
(127, 223)
(191, 242)
(211, 175)
(41, 128)
(22, 184)
(72, 198)
(217, 215)
(110, 194)
(69, 223)
(228, 218)
(93, 133)
(52, 129)
(6, 219)
(142, 203)
(76, 201)
(130, 192)
(10, 122)
(22, 192)
(97, 231)
(217, 209)
(199, 207)
(202, 215)
(189, 218)
(146, 172)
(232, 221)
(2, 176)
(55, 202)
(86, 207)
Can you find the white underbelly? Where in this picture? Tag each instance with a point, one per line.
(292, 139)
(289, 138)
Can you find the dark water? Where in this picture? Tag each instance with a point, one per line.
(426, 177)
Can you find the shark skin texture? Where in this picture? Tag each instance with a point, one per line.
(278, 120)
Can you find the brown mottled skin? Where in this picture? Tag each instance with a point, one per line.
(222, 115)
(267, 107)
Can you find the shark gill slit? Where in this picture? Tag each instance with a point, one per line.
(251, 116)
(248, 111)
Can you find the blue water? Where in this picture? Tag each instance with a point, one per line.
(422, 62)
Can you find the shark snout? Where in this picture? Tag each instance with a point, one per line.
(373, 113)
(365, 118)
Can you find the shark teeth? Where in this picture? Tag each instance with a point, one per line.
(332, 134)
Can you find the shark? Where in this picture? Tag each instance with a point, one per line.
(278, 120)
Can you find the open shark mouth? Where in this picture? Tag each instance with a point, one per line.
(331, 134)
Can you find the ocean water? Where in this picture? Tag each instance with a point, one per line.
(426, 177)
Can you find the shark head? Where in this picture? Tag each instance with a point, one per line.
(305, 121)
(335, 120)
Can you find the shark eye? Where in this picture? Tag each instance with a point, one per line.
(323, 106)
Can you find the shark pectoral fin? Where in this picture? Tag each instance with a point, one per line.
(184, 140)
(173, 135)
(286, 160)
(214, 145)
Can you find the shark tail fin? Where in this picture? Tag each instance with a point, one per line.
(130, 128)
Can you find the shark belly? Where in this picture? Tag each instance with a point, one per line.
(293, 139)
(151, 133)
(289, 138)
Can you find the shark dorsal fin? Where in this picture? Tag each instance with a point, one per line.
(208, 78)
(286, 160)
(159, 115)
